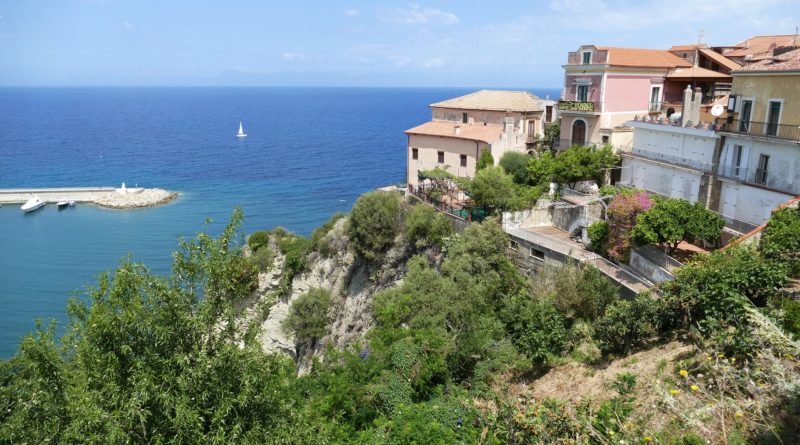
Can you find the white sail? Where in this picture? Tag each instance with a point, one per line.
(241, 132)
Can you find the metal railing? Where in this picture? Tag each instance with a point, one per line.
(754, 176)
(579, 105)
(763, 129)
(760, 177)
(659, 258)
(704, 166)
(655, 106)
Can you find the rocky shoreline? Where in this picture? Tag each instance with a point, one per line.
(135, 198)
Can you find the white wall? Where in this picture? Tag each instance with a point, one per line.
(748, 203)
(784, 162)
(663, 179)
(685, 146)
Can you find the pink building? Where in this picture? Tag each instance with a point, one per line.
(605, 87)
(460, 128)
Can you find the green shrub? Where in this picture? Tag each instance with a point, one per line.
(374, 222)
(536, 327)
(485, 159)
(263, 258)
(516, 164)
(258, 239)
(583, 292)
(540, 169)
(309, 315)
(627, 324)
(671, 221)
(492, 188)
(598, 235)
(426, 226)
(781, 239)
(295, 249)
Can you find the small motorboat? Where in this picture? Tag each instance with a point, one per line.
(62, 204)
(32, 204)
(71, 203)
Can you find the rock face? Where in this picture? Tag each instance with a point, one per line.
(135, 198)
(352, 285)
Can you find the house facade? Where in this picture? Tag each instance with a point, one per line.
(759, 166)
(460, 128)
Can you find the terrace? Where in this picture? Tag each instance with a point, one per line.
(770, 130)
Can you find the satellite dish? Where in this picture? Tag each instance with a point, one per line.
(717, 110)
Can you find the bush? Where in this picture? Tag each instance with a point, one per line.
(627, 324)
(598, 235)
(671, 221)
(258, 239)
(485, 159)
(516, 164)
(781, 239)
(583, 292)
(263, 258)
(295, 249)
(536, 327)
(426, 226)
(540, 170)
(318, 240)
(581, 163)
(375, 221)
(309, 315)
(622, 213)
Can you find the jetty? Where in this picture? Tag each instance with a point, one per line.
(111, 197)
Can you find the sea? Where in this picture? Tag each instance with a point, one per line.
(310, 152)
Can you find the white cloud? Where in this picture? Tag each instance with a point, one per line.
(128, 26)
(437, 62)
(352, 13)
(294, 56)
(418, 15)
(400, 61)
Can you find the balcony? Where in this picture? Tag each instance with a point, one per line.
(753, 176)
(697, 164)
(761, 129)
(655, 107)
(581, 106)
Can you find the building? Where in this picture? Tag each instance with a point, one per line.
(759, 165)
(461, 127)
(604, 87)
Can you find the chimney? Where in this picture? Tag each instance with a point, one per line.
(456, 130)
(691, 104)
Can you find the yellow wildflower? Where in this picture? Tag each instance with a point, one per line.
(739, 414)
(611, 432)
(695, 388)
(648, 439)
(683, 373)
(720, 355)
(674, 391)
(733, 359)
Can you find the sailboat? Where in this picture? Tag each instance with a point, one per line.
(241, 133)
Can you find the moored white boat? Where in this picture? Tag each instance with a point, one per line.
(32, 204)
(62, 204)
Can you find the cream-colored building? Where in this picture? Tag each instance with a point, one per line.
(460, 128)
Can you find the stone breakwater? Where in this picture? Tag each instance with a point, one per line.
(135, 199)
(109, 197)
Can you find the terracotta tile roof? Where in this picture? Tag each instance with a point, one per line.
(789, 61)
(483, 133)
(687, 47)
(719, 59)
(696, 72)
(642, 57)
(494, 100)
(761, 45)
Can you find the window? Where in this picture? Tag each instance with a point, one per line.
(583, 93)
(441, 157)
(586, 58)
(605, 140)
(464, 118)
(548, 117)
(737, 159)
(761, 171)
(537, 254)
(744, 116)
(655, 94)
(415, 153)
(773, 117)
(463, 160)
(513, 245)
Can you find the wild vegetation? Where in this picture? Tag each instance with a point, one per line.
(456, 347)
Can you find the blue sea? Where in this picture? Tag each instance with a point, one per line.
(310, 152)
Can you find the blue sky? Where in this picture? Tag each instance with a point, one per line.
(463, 43)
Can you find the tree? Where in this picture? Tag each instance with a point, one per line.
(582, 163)
(552, 132)
(541, 169)
(781, 238)
(671, 221)
(492, 188)
(516, 164)
(309, 315)
(485, 160)
(374, 222)
(598, 235)
(426, 226)
(621, 217)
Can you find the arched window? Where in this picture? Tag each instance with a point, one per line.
(578, 132)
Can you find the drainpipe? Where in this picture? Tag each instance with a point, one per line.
(408, 162)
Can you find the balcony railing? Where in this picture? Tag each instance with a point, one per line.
(577, 105)
(760, 177)
(698, 164)
(744, 174)
(763, 129)
(655, 107)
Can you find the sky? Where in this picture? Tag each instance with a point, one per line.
(467, 43)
